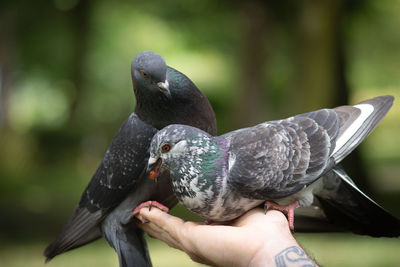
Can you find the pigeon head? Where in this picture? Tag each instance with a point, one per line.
(166, 96)
(149, 72)
(194, 159)
(176, 144)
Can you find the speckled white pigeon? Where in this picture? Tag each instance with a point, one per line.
(278, 163)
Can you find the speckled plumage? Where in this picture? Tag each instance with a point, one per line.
(268, 161)
(164, 96)
(220, 178)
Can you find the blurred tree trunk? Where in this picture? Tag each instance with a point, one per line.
(315, 83)
(79, 19)
(68, 137)
(321, 80)
(354, 163)
(7, 61)
(250, 105)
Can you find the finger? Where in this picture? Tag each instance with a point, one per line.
(161, 226)
(258, 218)
(249, 217)
(192, 238)
(161, 218)
(156, 232)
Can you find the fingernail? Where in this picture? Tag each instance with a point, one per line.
(142, 219)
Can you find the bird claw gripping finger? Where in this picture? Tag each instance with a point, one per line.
(288, 210)
(208, 222)
(150, 204)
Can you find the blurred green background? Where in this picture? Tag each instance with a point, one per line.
(65, 88)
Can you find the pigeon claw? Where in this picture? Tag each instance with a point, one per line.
(208, 222)
(149, 204)
(288, 210)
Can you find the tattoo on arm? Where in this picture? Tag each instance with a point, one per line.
(293, 256)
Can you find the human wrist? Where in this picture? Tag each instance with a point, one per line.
(285, 252)
(279, 247)
(277, 239)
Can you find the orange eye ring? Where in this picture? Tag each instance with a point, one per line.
(144, 74)
(165, 148)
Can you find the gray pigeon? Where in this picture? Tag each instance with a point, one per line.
(284, 164)
(164, 96)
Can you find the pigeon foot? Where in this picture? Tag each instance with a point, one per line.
(150, 204)
(208, 222)
(288, 210)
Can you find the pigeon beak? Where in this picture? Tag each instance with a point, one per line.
(153, 168)
(164, 88)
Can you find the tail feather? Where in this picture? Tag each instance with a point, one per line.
(130, 246)
(347, 207)
(80, 229)
(119, 227)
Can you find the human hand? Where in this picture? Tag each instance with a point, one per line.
(254, 239)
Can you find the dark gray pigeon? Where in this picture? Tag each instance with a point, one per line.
(285, 164)
(163, 96)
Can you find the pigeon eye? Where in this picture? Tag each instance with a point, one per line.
(165, 148)
(144, 74)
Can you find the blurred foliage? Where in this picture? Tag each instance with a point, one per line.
(65, 88)
(335, 250)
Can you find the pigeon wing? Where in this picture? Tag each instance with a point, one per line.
(357, 122)
(116, 176)
(278, 158)
(121, 167)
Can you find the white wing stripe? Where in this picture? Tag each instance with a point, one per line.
(366, 111)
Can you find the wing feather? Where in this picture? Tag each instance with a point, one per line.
(357, 122)
(278, 158)
(116, 176)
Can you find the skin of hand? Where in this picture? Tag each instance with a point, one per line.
(254, 239)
